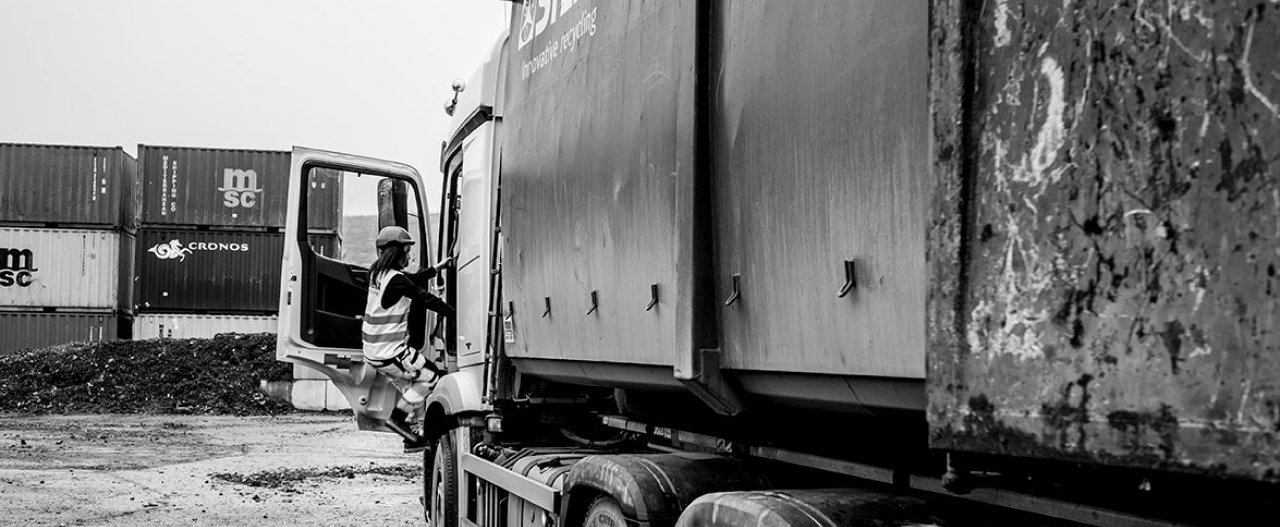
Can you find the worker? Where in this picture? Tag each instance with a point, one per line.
(388, 346)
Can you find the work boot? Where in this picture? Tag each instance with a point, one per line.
(413, 447)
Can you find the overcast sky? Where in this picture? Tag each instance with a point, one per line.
(363, 77)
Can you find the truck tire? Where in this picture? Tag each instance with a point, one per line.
(604, 512)
(441, 483)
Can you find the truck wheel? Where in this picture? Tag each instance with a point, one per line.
(604, 512)
(442, 484)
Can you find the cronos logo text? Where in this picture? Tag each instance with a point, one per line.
(173, 250)
(239, 188)
(538, 15)
(17, 267)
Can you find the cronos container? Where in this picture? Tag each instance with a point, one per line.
(19, 331)
(68, 186)
(65, 268)
(182, 325)
(211, 187)
(212, 271)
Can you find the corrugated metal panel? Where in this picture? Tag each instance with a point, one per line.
(35, 330)
(178, 325)
(808, 175)
(67, 185)
(184, 270)
(598, 181)
(227, 188)
(64, 268)
(1103, 259)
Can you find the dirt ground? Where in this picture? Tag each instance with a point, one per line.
(310, 469)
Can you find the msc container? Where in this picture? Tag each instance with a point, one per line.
(68, 186)
(212, 271)
(65, 268)
(189, 186)
(20, 330)
(180, 325)
(1104, 233)
(810, 153)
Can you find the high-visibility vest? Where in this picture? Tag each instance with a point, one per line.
(386, 330)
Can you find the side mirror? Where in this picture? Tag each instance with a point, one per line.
(393, 209)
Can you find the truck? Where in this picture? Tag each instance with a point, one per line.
(839, 262)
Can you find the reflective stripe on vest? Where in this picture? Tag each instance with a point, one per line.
(386, 330)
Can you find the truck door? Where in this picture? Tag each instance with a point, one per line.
(324, 289)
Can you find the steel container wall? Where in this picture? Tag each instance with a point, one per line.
(181, 325)
(191, 186)
(68, 186)
(212, 271)
(598, 182)
(65, 268)
(20, 331)
(807, 177)
(1102, 245)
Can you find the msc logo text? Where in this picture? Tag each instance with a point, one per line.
(17, 267)
(239, 188)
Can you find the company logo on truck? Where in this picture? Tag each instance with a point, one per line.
(173, 250)
(538, 16)
(17, 267)
(239, 188)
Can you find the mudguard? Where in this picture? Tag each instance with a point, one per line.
(653, 488)
(459, 392)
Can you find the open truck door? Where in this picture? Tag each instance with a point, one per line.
(323, 294)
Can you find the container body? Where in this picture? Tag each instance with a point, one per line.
(65, 268)
(223, 188)
(1103, 261)
(626, 222)
(182, 325)
(212, 271)
(72, 186)
(22, 330)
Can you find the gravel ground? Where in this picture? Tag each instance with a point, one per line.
(311, 469)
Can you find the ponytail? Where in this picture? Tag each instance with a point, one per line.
(390, 258)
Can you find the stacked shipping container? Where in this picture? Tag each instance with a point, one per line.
(68, 215)
(211, 238)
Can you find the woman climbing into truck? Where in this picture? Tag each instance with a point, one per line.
(391, 343)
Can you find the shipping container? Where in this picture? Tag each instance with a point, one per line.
(21, 330)
(742, 246)
(72, 186)
(244, 189)
(182, 325)
(181, 270)
(65, 268)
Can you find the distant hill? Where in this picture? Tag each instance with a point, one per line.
(358, 234)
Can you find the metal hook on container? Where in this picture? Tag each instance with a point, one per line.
(547, 299)
(736, 295)
(595, 303)
(850, 278)
(653, 293)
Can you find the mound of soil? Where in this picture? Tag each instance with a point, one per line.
(220, 375)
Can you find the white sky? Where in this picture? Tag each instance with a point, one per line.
(363, 77)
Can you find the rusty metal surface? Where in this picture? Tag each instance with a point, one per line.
(68, 185)
(1103, 260)
(597, 174)
(819, 147)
